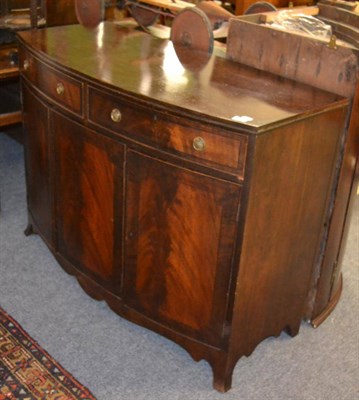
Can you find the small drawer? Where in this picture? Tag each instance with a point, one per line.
(62, 89)
(200, 142)
(192, 140)
(113, 113)
(27, 65)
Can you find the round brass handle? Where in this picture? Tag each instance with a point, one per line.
(26, 65)
(199, 144)
(116, 115)
(60, 89)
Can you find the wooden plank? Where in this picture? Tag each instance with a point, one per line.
(344, 32)
(8, 73)
(339, 15)
(176, 7)
(10, 118)
(270, 17)
(298, 57)
(347, 5)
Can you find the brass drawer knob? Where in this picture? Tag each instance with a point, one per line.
(199, 144)
(26, 65)
(60, 89)
(116, 115)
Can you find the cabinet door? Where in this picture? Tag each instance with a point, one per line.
(39, 199)
(181, 229)
(88, 185)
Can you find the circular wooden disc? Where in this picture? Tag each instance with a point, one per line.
(143, 16)
(90, 13)
(191, 63)
(260, 7)
(191, 28)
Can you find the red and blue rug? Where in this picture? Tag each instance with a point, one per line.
(28, 372)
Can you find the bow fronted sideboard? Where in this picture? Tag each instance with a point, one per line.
(187, 191)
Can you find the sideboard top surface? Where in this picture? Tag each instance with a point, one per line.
(149, 68)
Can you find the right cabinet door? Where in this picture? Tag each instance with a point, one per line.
(180, 241)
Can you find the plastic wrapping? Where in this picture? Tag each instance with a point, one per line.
(307, 24)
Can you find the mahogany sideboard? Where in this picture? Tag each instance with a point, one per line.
(189, 195)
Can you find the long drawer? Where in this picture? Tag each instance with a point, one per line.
(196, 141)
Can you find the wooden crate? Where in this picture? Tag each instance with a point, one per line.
(302, 58)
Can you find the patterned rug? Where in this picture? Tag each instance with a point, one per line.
(28, 372)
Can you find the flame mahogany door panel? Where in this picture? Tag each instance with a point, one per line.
(181, 229)
(88, 182)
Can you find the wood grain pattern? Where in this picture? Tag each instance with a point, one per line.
(141, 67)
(302, 58)
(180, 230)
(48, 79)
(60, 12)
(85, 193)
(154, 127)
(338, 14)
(224, 152)
(284, 223)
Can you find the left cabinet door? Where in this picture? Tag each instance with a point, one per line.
(37, 156)
(88, 172)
